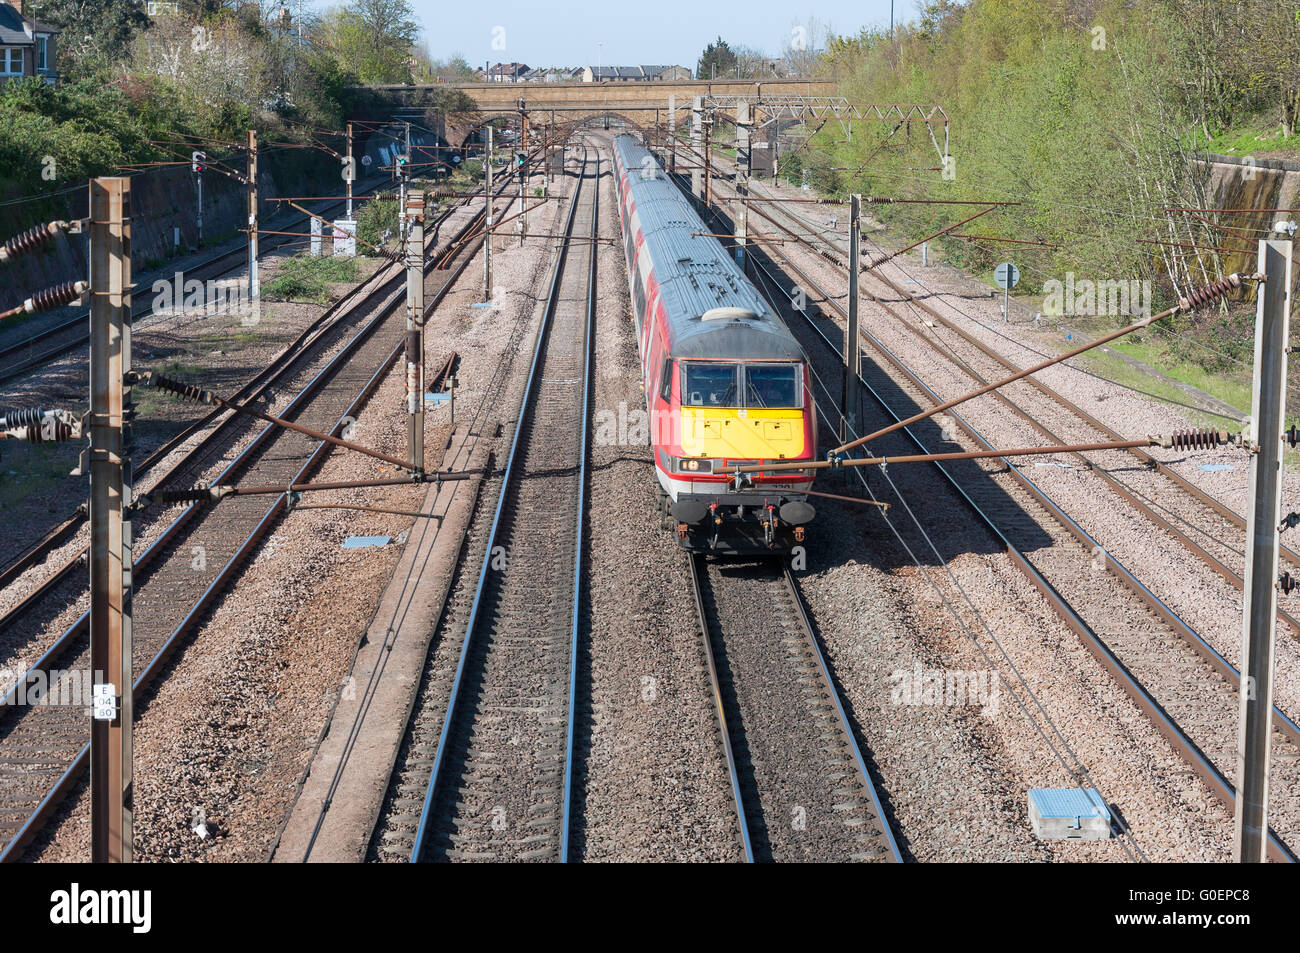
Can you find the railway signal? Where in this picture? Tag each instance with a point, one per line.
(199, 163)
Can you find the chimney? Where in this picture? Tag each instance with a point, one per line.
(17, 5)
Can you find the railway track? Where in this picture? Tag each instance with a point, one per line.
(801, 785)
(1198, 522)
(499, 758)
(42, 747)
(321, 334)
(50, 343)
(1159, 661)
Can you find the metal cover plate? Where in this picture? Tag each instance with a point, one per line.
(1068, 803)
(357, 542)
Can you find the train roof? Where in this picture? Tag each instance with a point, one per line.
(714, 312)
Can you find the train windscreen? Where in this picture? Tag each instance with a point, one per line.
(711, 385)
(771, 385)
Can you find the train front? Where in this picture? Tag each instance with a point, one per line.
(739, 397)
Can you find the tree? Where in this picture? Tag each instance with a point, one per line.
(373, 38)
(718, 59)
(938, 15)
(96, 33)
(807, 42)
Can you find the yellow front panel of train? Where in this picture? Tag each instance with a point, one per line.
(755, 433)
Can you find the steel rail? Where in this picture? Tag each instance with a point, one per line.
(23, 835)
(590, 348)
(280, 365)
(1284, 723)
(440, 758)
(1182, 744)
(733, 773)
(833, 694)
(708, 630)
(37, 360)
(1182, 482)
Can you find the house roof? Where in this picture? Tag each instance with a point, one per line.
(12, 31)
(14, 27)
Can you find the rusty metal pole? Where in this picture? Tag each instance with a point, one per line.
(708, 162)
(254, 281)
(743, 135)
(351, 167)
(852, 352)
(110, 526)
(1254, 728)
(741, 219)
(487, 234)
(697, 147)
(414, 214)
(672, 133)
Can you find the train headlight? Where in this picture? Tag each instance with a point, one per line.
(694, 465)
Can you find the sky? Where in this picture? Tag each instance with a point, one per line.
(668, 32)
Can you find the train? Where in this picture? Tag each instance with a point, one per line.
(726, 383)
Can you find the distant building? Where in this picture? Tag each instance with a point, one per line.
(634, 74)
(26, 45)
(507, 73)
(550, 74)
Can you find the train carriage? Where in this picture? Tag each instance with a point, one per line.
(725, 381)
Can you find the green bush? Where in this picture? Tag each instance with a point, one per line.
(375, 218)
(307, 278)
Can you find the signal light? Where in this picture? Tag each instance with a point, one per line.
(198, 161)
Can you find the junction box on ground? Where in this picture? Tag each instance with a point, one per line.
(1069, 814)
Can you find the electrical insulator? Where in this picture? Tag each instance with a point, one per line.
(179, 388)
(30, 240)
(1211, 292)
(1197, 439)
(39, 426)
(51, 298)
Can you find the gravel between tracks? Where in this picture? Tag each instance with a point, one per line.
(653, 785)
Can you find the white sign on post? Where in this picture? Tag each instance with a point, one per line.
(1006, 275)
(345, 238)
(315, 237)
